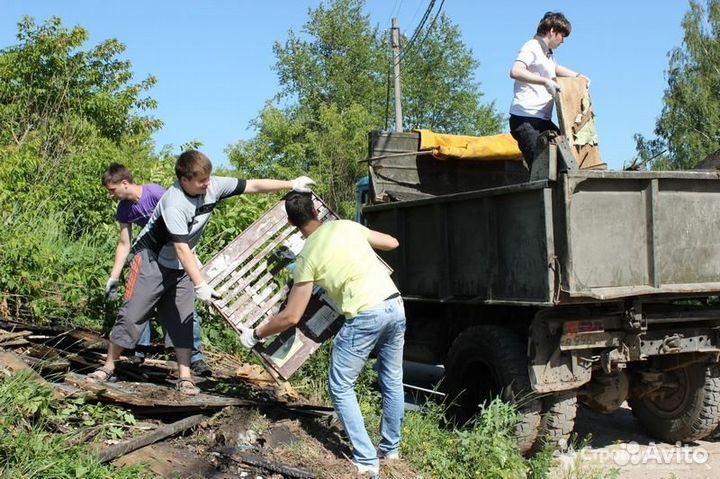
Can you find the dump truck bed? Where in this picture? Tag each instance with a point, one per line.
(585, 236)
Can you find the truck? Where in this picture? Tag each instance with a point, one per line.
(556, 284)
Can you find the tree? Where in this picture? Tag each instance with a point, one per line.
(56, 93)
(439, 90)
(688, 128)
(334, 84)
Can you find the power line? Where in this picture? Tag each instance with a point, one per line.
(430, 28)
(417, 31)
(392, 12)
(432, 24)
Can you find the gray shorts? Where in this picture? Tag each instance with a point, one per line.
(149, 285)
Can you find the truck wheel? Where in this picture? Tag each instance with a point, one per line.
(485, 362)
(558, 419)
(685, 408)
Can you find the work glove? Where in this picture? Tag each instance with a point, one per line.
(302, 184)
(580, 75)
(204, 292)
(552, 86)
(111, 289)
(248, 338)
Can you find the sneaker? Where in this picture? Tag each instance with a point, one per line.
(370, 471)
(199, 368)
(390, 456)
(137, 360)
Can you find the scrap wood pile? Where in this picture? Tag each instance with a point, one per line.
(60, 359)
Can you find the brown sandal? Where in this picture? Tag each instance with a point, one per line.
(101, 375)
(187, 387)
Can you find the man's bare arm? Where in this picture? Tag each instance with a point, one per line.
(267, 186)
(187, 259)
(122, 250)
(298, 300)
(382, 241)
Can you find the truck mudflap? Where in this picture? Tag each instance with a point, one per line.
(563, 353)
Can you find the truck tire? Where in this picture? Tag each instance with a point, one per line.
(485, 362)
(689, 411)
(558, 420)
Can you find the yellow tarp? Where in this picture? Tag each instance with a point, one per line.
(494, 147)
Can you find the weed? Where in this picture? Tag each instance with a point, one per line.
(30, 445)
(485, 449)
(258, 422)
(109, 422)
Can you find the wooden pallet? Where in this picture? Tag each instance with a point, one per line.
(251, 274)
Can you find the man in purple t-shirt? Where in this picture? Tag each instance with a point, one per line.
(135, 207)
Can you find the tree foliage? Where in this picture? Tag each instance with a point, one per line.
(334, 81)
(438, 87)
(62, 96)
(66, 113)
(688, 128)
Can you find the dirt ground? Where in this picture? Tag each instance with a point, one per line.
(618, 442)
(281, 440)
(216, 449)
(615, 442)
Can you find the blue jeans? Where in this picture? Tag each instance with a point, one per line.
(197, 354)
(382, 329)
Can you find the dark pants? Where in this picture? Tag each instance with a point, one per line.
(150, 284)
(526, 131)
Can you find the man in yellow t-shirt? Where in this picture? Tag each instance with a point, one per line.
(339, 257)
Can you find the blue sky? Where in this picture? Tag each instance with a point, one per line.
(214, 59)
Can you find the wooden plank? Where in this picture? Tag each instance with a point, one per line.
(575, 113)
(8, 336)
(150, 395)
(9, 361)
(89, 339)
(270, 465)
(109, 453)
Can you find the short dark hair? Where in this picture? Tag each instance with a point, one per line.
(191, 163)
(115, 174)
(300, 208)
(554, 21)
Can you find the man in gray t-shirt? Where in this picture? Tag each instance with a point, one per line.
(136, 204)
(164, 273)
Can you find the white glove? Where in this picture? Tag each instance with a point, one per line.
(552, 86)
(302, 184)
(247, 337)
(111, 288)
(205, 292)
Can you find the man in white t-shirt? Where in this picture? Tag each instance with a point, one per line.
(534, 72)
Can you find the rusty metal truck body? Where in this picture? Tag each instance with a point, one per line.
(604, 280)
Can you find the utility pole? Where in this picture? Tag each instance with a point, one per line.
(395, 42)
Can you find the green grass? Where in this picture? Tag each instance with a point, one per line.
(39, 435)
(484, 449)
